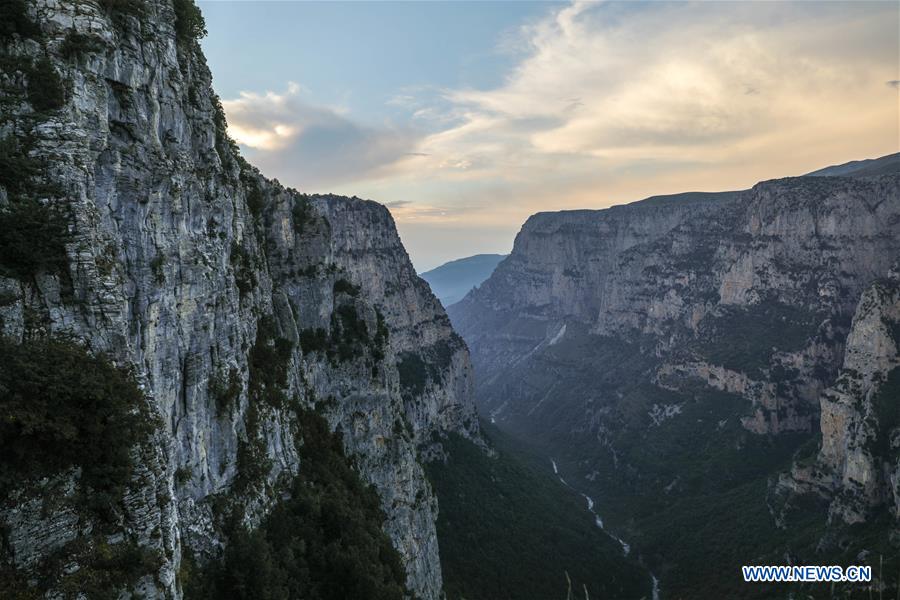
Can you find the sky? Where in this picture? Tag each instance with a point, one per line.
(464, 118)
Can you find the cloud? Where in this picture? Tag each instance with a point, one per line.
(398, 204)
(407, 210)
(604, 103)
(602, 85)
(611, 102)
(311, 146)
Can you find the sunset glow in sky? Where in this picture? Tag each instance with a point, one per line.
(466, 117)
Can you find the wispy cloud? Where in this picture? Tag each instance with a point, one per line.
(605, 85)
(422, 212)
(312, 146)
(605, 103)
(613, 102)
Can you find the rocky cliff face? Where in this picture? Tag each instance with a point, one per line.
(182, 261)
(856, 468)
(677, 354)
(674, 273)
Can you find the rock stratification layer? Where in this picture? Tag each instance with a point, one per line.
(670, 272)
(857, 468)
(185, 263)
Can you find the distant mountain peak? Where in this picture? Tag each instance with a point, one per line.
(870, 167)
(451, 281)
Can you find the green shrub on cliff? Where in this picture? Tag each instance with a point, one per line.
(45, 87)
(226, 391)
(244, 268)
(429, 364)
(63, 407)
(122, 10)
(32, 232)
(323, 542)
(886, 414)
(349, 333)
(17, 168)
(268, 363)
(76, 45)
(342, 286)
(14, 19)
(32, 239)
(189, 22)
(302, 213)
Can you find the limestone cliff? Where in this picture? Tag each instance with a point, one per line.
(676, 356)
(674, 273)
(182, 261)
(858, 464)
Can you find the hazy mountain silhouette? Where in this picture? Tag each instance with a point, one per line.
(453, 280)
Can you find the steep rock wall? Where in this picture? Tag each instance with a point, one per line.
(181, 259)
(857, 467)
(669, 273)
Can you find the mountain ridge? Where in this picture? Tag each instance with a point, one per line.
(617, 340)
(870, 167)
(453, 280)
(244, 312)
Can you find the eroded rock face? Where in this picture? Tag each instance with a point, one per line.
(858, 461)
(676, 273)
(674, 353)
(180, 255)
